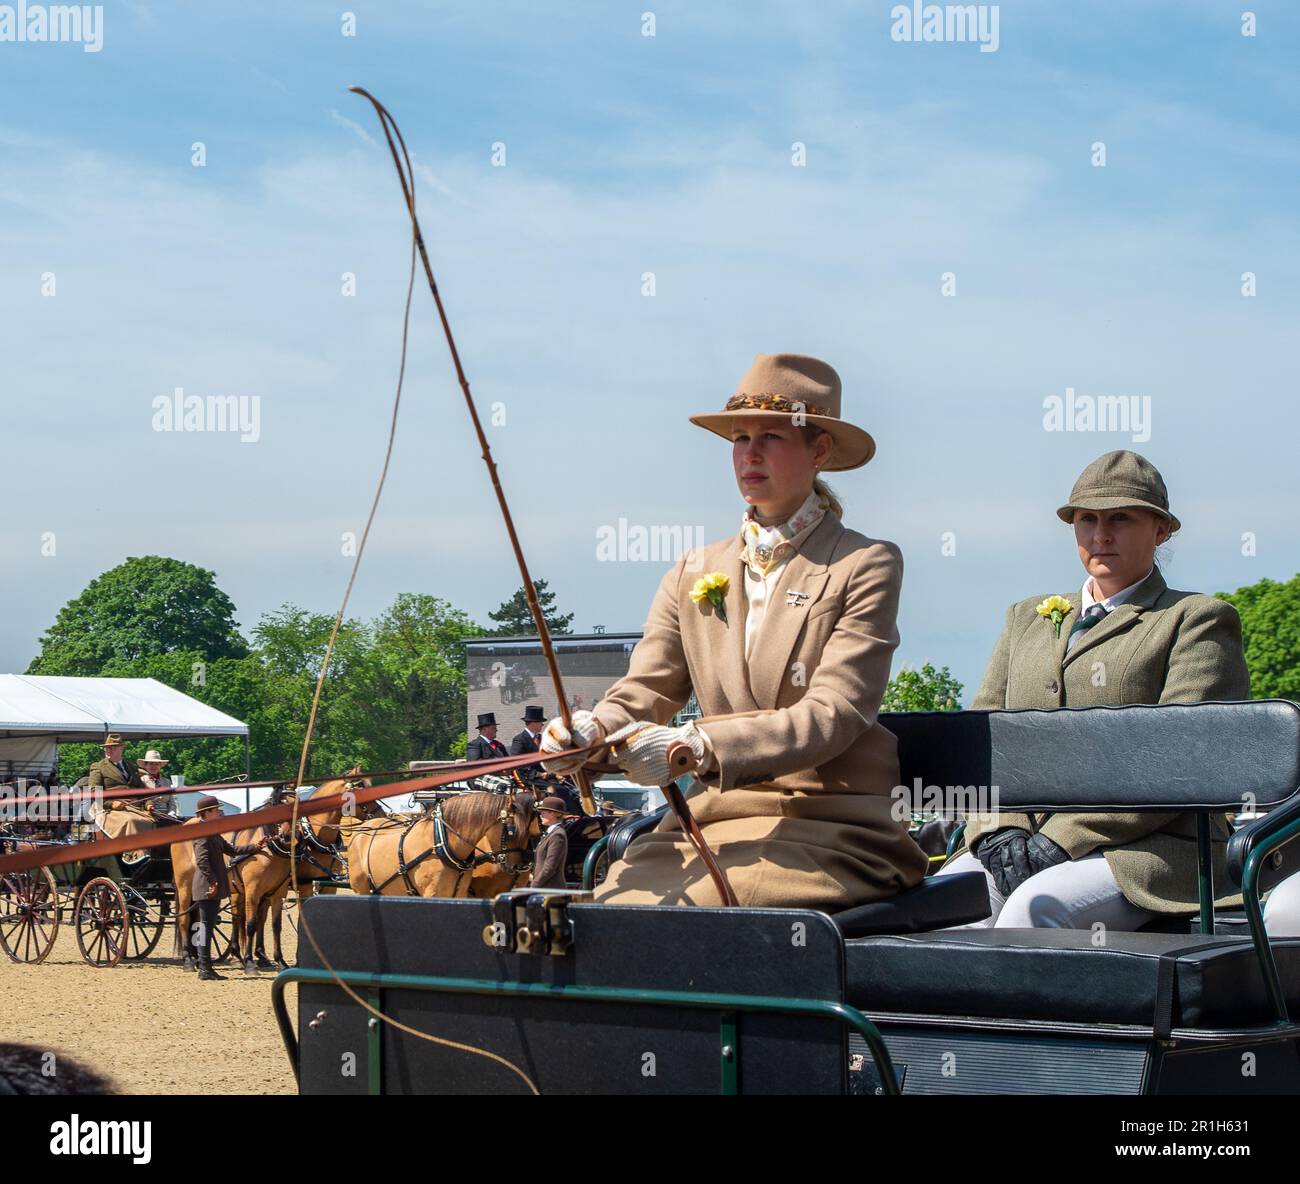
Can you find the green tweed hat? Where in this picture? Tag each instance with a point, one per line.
(1116, 481)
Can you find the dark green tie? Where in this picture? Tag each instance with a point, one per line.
(1086, 622)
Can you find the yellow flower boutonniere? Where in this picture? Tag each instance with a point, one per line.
(1055, 608)
(712, 588)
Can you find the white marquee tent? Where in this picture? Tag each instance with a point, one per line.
(39, 712)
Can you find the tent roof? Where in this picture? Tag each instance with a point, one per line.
(67, 709)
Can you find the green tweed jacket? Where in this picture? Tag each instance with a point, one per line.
(1162, 646)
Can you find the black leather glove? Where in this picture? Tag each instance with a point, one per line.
(1005, 857)
(1043, 853)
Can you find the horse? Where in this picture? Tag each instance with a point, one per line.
(260, 883)
(469, 844)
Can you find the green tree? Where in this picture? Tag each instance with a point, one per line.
(926, 689)
(143, 607)
(420, 650)
(514, 620)
(1270, 628)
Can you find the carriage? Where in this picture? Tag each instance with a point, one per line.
(545, 991)
(119, 910)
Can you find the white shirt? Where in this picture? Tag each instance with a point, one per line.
(1109, 604)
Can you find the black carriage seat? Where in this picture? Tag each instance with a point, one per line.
(936, 902)
(1062, 975)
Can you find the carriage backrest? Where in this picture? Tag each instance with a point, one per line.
(1217, 756)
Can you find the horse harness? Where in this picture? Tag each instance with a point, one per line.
(441, 849)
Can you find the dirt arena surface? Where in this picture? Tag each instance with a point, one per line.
(151, 1026)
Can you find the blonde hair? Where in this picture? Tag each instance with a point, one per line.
(811, 433)
(823, 490)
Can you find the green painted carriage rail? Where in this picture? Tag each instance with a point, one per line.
(1250, 890)
(728, 1005)
(589, 864)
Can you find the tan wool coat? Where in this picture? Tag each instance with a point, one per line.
(798, 811)
(1161, 646)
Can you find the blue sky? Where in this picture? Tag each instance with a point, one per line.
(628, 154)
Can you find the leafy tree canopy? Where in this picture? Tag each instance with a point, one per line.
(137, 610)
(1270, 627)
(926, 689)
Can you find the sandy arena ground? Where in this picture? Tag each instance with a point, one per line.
(151, 1026)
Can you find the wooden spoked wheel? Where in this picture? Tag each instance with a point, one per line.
(103, 922)
(221, 934)
(29, 914)
(150, 912)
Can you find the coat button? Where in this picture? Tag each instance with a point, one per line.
(1053, 686)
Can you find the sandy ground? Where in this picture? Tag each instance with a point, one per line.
(151, 1026)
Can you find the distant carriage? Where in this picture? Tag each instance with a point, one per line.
(119, 910)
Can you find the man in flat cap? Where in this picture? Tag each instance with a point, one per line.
(119, 816)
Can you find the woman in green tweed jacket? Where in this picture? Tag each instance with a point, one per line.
(1125, 637)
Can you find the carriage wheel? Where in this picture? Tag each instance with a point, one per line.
(29, 914)
(150, 911)
(221, 934)
(103, 922)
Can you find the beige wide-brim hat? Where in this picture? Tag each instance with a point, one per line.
(152, 757)
(1118, 481)
(788, 385)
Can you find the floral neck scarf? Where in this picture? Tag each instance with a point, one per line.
(768, 546)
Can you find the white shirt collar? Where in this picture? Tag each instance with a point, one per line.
(1087, 600)
(554, 827)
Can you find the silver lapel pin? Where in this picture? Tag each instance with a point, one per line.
(795, 599)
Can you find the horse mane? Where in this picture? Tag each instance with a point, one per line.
(472, 812)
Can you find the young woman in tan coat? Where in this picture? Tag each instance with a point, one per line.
(1125, 637)
(785, 632)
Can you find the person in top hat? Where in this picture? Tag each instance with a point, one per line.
(553, 850)
(119, 816)
(785, 629)
(1124, 637)
(530, 739)
(485, 746)
(211, 882)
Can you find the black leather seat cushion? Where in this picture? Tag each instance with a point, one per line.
(936, 902)
(1059, 974)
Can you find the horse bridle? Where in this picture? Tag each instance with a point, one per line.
(509, 830)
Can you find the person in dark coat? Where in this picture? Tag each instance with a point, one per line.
(530, 739)
(211, 882)
(553, 850)
(485, 746)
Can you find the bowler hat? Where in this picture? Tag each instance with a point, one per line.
(206, 802)
(533, 715)
(487, 720)
(553, 803)
(1117, 481)
(786, 385)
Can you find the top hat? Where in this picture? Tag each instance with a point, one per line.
(1117, 481)
(533, 715)
(111, 739)
(487, 720)
(206, 802)
(785, 386)
(152, 757)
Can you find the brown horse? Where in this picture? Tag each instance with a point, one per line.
(260, 883)
(469, 844)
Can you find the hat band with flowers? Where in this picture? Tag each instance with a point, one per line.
(801, 390)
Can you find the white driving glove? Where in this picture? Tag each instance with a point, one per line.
(586, 730)
(642, 750)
